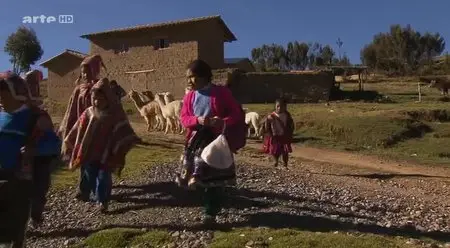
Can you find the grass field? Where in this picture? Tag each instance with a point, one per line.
(402, 129)
(246, 237)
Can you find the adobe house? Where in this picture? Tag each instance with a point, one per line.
(154, 57)
(63, 70)
(149, 57)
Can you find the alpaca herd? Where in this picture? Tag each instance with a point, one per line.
(162, 113)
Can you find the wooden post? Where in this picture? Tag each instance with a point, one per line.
(360, 81)
(420, 92)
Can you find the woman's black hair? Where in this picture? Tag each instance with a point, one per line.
(113, 82)
(201, 69)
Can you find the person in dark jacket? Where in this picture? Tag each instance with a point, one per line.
(20, 136)
(46, 156)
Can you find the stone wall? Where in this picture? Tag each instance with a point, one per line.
(267, 87)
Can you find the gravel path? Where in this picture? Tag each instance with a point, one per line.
(308, 196)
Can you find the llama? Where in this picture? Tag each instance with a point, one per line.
(253, 120)
(168, 98)
(150, 111)
(171, 112)
(441, 83)
(148, 95)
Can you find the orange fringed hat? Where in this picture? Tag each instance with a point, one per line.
(94, 62)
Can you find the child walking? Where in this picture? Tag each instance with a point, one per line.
(99, 142)
(48, 149)
(278, 129)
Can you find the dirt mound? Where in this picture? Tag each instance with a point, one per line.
(431, 115)
(414, 129)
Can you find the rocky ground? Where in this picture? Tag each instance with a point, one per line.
(314, 196)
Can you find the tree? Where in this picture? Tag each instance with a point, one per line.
(270, 58)
(402, 50)
(339, 43)
(314, 54)
(297, 55)
(327, 55)
(24, 49)
(343, 61)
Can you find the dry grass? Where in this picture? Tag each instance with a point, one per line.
(403, 130)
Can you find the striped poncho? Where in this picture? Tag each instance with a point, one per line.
(103, 137)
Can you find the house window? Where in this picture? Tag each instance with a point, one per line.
(163, 43)
(121, 49)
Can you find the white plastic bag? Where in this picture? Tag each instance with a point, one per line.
(218, 154)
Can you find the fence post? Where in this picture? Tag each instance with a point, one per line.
(420, 92)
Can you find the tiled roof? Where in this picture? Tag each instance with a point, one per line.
(229, 36)
(69, 51)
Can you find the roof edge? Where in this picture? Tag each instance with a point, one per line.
(230, 37)
(69, 51)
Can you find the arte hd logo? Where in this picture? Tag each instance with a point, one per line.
(44, 19)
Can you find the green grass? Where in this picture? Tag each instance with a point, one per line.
(254, 237)
(126, 237)
(383, 129)
(285, 238)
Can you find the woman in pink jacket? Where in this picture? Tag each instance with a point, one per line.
(206, 108)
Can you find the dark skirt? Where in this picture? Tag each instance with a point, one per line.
(194, 169)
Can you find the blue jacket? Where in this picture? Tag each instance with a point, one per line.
(14, 132)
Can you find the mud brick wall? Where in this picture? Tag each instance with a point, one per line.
(62, 74)
(267, 87)
(187, 42)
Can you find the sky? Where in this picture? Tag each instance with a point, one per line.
(254, 22)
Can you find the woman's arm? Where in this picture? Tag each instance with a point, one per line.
(235, 112)
(290, 125)
(188, 120)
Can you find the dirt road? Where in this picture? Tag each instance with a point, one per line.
(322, 191)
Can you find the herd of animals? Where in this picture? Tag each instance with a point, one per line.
(161, 112)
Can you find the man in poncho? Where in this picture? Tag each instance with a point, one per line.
(80, 99)
(98, 158)
(81, 95)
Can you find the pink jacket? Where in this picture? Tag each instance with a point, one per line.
(223, 105)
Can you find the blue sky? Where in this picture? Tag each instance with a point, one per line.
(254, 22)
